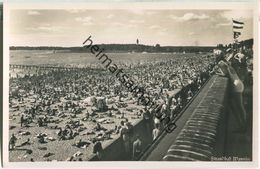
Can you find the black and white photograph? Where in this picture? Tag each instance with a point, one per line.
(141, 83)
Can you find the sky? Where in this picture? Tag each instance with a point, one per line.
(163, 26)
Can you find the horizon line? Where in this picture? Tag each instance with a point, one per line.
(134, 44)
(122, 44)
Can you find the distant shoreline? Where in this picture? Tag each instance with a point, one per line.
(132, 48)
(123, 48)
(110, 52)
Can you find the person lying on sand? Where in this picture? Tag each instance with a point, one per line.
(98, 127)
(24, 133)
(25, 143)
(48, 155)
(81, 144)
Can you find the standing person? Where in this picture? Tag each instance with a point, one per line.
(97, 149)
(157, 121)
(12, 142)
(22, 120)
(238, 62)
(130, 128)
(173, 110)
(164, 107)
(179, 101)
(156, 131)
(137, 148)
(147, 119)
(237, 90)
(124, 134)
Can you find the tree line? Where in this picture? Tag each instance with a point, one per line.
(138, 48)
(122, 48)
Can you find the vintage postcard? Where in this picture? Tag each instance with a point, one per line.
(130, 84)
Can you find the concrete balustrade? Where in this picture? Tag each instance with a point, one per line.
(203, 135)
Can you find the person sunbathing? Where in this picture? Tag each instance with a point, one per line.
(81, 144)
(98, 127)
(25, 143)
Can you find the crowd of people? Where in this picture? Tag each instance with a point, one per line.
(88, 107)
(236, 63)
